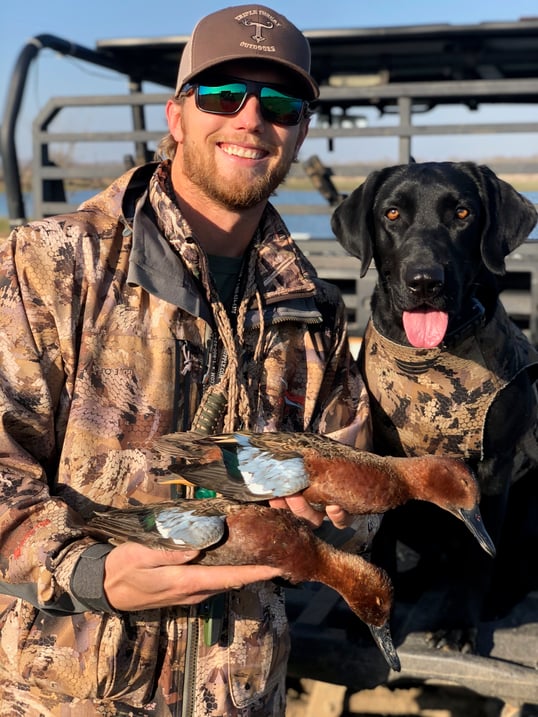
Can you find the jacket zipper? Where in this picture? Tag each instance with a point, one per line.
(216, 368)
(181, 422)
(191, 651)
(298, 317)
(188, 702)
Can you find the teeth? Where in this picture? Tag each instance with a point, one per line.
(243, 151)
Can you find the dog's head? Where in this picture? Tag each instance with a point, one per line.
(506, 217)
(435, 231)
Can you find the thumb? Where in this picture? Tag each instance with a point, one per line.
(338, 516)
(298, 504)
(177, 557)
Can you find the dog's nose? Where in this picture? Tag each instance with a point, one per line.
(425, 282)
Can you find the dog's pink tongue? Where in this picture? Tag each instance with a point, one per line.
(425, 329)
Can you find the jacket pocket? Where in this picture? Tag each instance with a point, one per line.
(86, 655)
(259, 642)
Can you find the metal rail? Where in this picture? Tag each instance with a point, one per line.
(14, 99)
(43, 171)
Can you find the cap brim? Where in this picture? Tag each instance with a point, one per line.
(301, 81)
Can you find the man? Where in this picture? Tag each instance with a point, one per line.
(173, 299)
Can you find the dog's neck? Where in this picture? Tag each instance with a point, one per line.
(464, 327)
(417, 393)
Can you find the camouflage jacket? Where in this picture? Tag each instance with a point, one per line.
(105, 340)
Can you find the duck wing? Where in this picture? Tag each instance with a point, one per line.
(189, 446)
(244, 470)
(172, 525)
(282, 444)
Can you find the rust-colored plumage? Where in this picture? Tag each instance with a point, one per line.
(258, 466)
(255, 534)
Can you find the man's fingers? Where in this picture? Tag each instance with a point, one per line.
(176, 557)
(149, 557)
(215, 578)
(300, 507)
(338, 516)
(137, 577)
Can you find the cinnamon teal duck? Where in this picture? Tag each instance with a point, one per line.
(250, 467)
(231, 533)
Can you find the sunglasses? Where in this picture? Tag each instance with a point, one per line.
(229, 98)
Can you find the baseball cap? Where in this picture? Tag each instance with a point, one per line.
(248, 32)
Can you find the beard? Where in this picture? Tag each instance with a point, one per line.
(237, 193)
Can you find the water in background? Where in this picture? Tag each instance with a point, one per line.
(303, 226)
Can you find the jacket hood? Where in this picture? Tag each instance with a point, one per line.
(120, 197)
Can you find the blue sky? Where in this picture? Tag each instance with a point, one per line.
(85, 23)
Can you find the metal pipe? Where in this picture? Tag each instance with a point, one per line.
(8, 150)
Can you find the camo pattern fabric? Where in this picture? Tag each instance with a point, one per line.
(92, 368)
(436, 400)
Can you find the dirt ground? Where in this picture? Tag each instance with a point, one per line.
(319, 699)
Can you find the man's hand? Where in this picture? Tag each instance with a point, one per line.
(139, 578)
(339, 517)
(302, 509)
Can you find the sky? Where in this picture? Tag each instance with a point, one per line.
(86, 22)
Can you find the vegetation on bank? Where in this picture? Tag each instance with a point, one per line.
(345, 176)
(4, 226)
(522, 182)
(344, 182)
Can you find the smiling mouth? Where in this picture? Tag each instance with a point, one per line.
(235, 150)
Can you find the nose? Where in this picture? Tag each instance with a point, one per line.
(250, 115)
(425, 282)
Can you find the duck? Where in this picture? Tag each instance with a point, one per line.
(255, 467)
(228, 532)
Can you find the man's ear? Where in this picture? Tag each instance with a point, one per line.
(303, 131)
(174, 113)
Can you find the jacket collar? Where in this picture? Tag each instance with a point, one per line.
(156, 267)
(284, 273)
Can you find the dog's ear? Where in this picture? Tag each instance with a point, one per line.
(510, 218)
(351, 221)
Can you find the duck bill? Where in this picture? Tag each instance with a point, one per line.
(383, 640)
(473, 520)
(177, 480)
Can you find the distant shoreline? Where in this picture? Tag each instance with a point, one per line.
(345, 176)
(343, 183)
(521, 182)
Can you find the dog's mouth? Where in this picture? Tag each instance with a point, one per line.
(425, 328)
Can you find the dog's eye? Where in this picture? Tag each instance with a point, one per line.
(392, 214)
(462, 212)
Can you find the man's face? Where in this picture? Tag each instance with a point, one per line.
(235, 160)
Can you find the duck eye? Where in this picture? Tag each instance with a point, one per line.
(392, 214)
(462, 212)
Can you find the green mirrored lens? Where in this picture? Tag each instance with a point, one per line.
(224, 99)
(229, 98)
(280, 107)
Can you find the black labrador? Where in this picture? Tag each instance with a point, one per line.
(446, 369)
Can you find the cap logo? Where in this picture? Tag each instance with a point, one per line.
(270, 22)
(258, 25)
